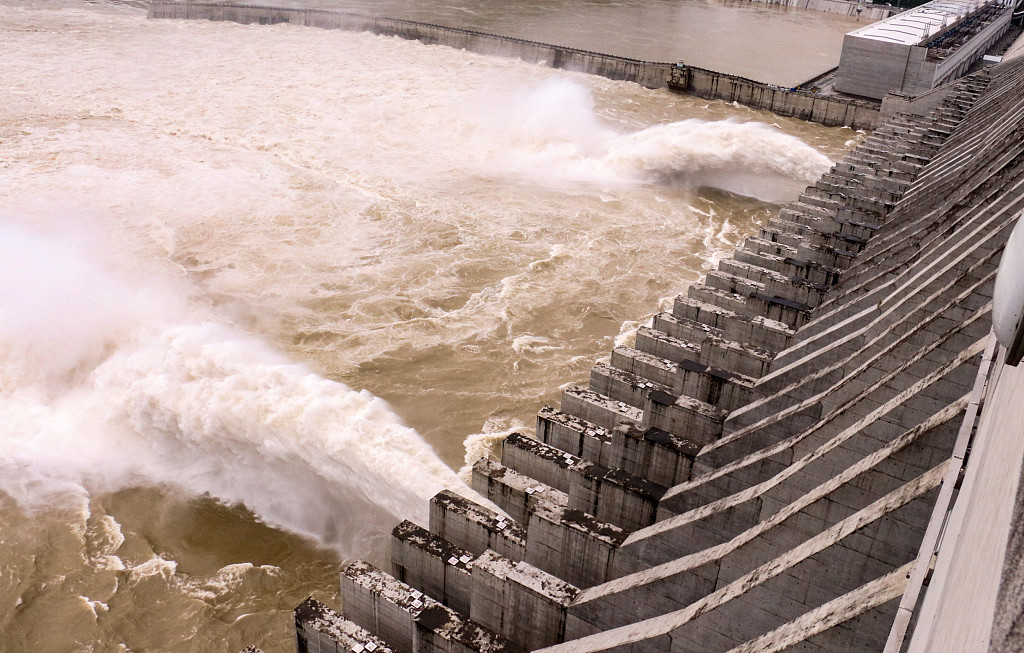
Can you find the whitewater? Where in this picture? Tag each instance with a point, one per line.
(264, 290)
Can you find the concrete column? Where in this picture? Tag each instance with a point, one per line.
(432, 565)
(519, 601)
(473, 527)
(318, 629)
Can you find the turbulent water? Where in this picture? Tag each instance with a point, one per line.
(262, 287)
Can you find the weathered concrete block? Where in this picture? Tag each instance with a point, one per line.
(620, 385)
(571, 545)
(695, 421)
(721, 388)
(659, 371)
(598, 409)
(615, 496)
(318, 629)
(756, 330)
(511, 491)
(440, 630)
(540, 461)
(654, 454)
(432, 565)
(321, 629)
(573, 435)
(519, 601)
(382, 604)
(409, 620)
(472, 527)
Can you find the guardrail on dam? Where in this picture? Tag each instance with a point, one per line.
(770, 465)
(679, 77)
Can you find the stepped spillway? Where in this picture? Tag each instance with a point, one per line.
(760, 469)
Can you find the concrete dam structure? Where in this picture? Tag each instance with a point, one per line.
(770, 465)
(867, 11)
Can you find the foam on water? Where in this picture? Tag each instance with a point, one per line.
(106, 385)
(749, 158)
(482, 445)
(550, 132)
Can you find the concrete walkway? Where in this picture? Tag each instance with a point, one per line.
(956, 616)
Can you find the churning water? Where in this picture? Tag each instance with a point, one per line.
(262, 287)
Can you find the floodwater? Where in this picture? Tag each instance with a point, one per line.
(264, 290)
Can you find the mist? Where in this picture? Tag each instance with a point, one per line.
(109, 385)
(551, 134)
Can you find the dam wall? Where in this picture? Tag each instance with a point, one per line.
(827, 110)
(700, 82)
(769, 464)
(867, 11)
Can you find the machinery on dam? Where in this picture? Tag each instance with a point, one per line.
(770, 465)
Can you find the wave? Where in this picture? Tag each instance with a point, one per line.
(551, 133)
(131, 393)
(748, 158)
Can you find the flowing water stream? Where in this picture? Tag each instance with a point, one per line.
(262, 288)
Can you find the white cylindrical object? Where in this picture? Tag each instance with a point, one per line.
(1008, 297)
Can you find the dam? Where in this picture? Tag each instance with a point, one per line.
(219, 451)
(781, 461)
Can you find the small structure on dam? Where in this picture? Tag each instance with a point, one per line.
(917, 50)
(770, 465)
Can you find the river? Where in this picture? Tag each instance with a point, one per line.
(264, 286)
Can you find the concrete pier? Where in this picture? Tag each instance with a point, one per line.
(319, 628)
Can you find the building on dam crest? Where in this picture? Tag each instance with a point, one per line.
(920, 49)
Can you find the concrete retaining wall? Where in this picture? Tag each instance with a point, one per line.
(918, 105)
(825, 109)
(869, 12)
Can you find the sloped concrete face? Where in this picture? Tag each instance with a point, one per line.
(762, 468)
